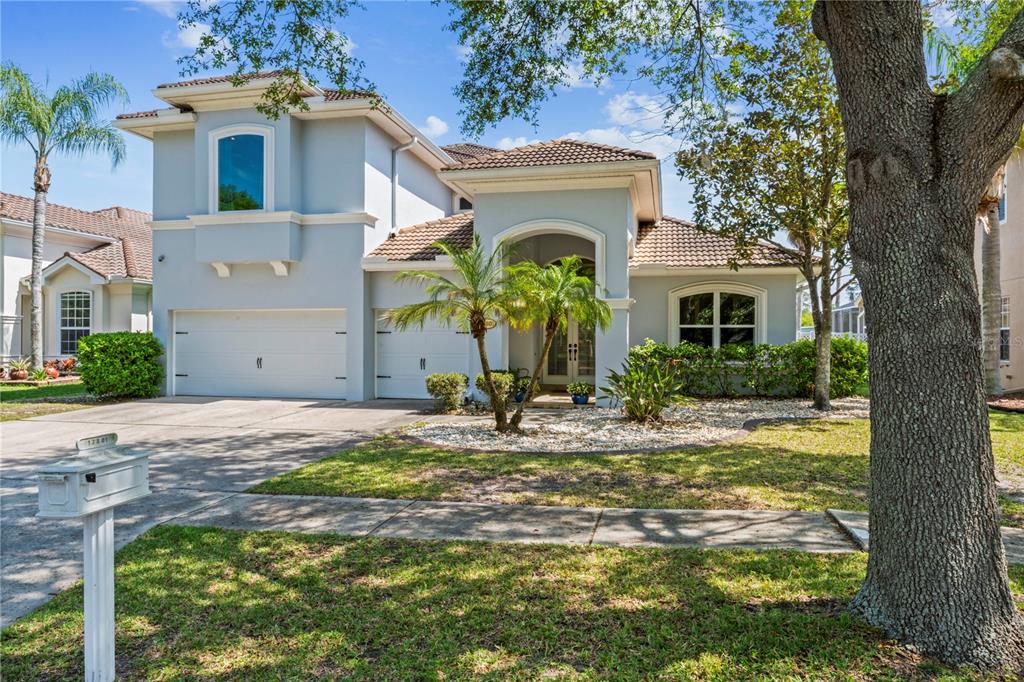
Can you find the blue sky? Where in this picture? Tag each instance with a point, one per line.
(409, 55)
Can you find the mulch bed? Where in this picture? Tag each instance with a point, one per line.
(1008, 403)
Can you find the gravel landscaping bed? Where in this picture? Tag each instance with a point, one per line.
(606, 430)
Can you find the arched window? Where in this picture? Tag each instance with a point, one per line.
(717, 314)
(241, 169)
(75, 319)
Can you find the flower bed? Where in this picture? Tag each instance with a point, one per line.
(606, 430)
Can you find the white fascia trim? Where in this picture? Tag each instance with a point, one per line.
(74, 236)
(655, 270)
(68, 261)
(570, 170)
(130, 280)
(213, 152)
(249, 217)
(382, 264)
(173, 119)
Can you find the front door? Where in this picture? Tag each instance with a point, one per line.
(572, 356)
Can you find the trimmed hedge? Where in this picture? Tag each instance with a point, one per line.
(763, 370)
(504, 383)
(121, 364)
(447, 390)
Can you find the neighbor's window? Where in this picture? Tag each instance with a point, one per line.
(717, 318)
(75, 319)
(240, 172)
(1004, 329)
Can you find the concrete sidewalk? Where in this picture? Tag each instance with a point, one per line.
(422, 520)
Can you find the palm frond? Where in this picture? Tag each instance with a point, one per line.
(86, 138)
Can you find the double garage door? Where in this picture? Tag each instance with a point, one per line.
(260, 353)
(405, 358)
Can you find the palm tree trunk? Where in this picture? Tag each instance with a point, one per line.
(42, 186)
(991, 298)
(549, 337)
(497, 403)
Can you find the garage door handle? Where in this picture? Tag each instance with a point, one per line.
(423, 363)
(383, 376)
(259, 363)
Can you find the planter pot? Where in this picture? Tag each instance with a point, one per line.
(580, 399)
(52, 372)
(19, 374)
(520, 396)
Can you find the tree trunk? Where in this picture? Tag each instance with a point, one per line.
(42, 186)
(991, 298)
(549, 337)
(823, 333)
(936, 575)
(497, 404)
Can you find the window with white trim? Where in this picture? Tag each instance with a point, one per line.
(241, 169)
(717, 315)
(1004, 329)
(75, 319)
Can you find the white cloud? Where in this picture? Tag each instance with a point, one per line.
(635, 111)
(461, 52)
(659, 144)
(168, 8)
(434, 127)
(510, 142)
(185, 38)
(575, 77)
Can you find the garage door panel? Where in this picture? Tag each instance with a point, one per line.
(301, 353)
(406, 357)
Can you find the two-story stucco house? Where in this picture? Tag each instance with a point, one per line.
(96, 274)
(276, 243)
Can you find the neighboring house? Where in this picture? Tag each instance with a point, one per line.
(97, 274)
(1011, 273)
(277, 242)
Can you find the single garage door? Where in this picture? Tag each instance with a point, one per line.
(260, 353)
(405, 358)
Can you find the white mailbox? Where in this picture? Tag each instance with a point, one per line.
(88, 486)
(101, 476)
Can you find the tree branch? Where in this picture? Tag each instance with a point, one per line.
(983, 119)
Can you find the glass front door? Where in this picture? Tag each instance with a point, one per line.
(572, 356)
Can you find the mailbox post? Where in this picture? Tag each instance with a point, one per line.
(88, 486)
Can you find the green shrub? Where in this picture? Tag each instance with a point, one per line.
(121, 364)
(504, 383)
(849, 366)
(447, 390)
(645, 388)
(579, 388)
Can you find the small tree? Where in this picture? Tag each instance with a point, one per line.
(476, 303)
(68, 122)
(777, 168)
(551, 295)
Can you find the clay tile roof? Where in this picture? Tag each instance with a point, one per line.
(211, 80)
(676, 243)
(553, 153)
(130, 255)
(332, 95)
(139, 114)
(417, 242)
(463, 151)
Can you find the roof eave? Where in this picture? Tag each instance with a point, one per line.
(174, 119)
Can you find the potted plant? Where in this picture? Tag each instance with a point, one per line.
(18, 369)
(580, 392)
(51, 368)
(67, 365)
(40, 374)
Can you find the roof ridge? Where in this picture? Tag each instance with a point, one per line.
(97, 213)
(206, 80)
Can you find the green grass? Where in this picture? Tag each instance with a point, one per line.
(805, 466)
(200, 603)
(18, 401)
(18, 392)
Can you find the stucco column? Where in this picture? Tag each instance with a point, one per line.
(360, 342)
(612, 346)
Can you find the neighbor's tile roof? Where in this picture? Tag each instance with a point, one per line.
(131, 255)
(417, 242)
(462, 151)
(553, 153)
(676, 243)
(670, 242)
(140, 114)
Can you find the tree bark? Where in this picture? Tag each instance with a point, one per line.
(41, 187)
(991, 288)
(497, 404)
(549, 337)
(916, 166)
(823, 334)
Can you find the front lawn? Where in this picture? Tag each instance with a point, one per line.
(21, 401)
(805, 466)
(200, 603)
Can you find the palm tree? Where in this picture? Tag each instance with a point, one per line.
(68, 122)
(477, 303)
(551, 295)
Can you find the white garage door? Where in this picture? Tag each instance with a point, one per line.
(405, 358)
(260, 353)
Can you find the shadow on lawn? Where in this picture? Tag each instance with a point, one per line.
(197, 603)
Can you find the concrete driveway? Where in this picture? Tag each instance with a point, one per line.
(204, 450)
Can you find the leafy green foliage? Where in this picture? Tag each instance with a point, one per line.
(230, 198)
(447, 390)
(21, 364)
(579, 388)
(504, 382)
(38, 374)
(121, 364)
(296, 40)
(645, 388)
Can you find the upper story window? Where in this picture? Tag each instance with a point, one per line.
(75, 319)
(241, 172)
(716, 315)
